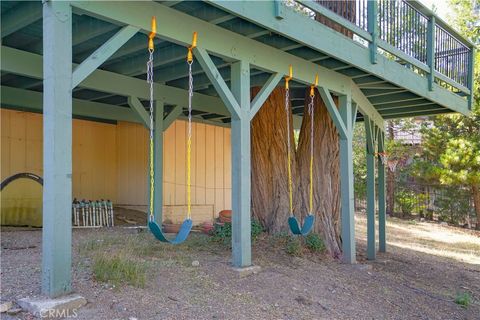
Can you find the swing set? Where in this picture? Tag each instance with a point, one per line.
(187, 224)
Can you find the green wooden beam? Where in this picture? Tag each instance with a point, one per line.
(431, 51)
(241, 166)
(409, 109)
(372, 21)
(28, 100)
(346, 182)
(370, 131)
(139, 109)
(57, 149)
(216, 78)
(172, 116)
(394, 97)
(264, 93)
(412, 104)
(334, 113)
(158, 163)
(369, 93)
(24, 14)
(382, 242)
(365, 106)
(217, 40)
(342, 48)
(419, 113)
(30, 65)
(100, 55)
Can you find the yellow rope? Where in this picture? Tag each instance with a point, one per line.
(311, 184)
(152, 185)
(290, 191)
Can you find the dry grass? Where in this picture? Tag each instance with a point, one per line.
(431, 238)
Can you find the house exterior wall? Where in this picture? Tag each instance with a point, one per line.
(110, 161)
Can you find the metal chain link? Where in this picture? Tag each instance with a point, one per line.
(287, 109)
(312, 120)
(150, 82)
(289, 168)
(189, 141)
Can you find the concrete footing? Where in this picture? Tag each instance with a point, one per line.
(246, 271)
(63, 307)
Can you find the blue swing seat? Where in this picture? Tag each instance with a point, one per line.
(181, 236)
(307, 225)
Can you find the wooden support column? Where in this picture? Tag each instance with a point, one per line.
(57, 149)
(370, 130)
(346, 181)
(158, 162)
(241, 166)
(382, 240)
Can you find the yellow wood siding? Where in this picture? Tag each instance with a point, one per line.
(110, 161)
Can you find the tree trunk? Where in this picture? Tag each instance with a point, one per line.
(270, 203)
(476, 203)
(390, 179)
(326, 174)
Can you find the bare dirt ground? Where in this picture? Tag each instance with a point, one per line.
(427, 265)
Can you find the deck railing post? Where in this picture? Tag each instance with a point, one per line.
(471, 74)
(431, 51)
(57, 148)
(241, 166)
(372, 24)
(382, 243)
(278, 7)
(158, 162)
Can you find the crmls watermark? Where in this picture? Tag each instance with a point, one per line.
(58, 313)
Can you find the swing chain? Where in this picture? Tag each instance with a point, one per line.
(150, 82)
(189, 141)
(311, 114)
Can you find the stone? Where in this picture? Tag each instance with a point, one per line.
(246, 271)
(14, 311)
(195, 263)
(5, 306)
(66, 306)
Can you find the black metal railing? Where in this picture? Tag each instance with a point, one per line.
(401, 30)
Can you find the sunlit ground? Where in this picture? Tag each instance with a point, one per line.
(431, 238)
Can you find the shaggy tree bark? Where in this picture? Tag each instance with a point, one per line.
(270, 203)
(476, 203)
(326, 174)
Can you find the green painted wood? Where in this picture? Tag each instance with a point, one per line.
(372, 21)
(279, 8)
(216, 78)
(172, 116)
(139, 109)
(420, 113)
(365, 106)
(370, 155)
(402, 55)
(27, 13)
(382, 239)
(394, 97)
(346, 183)
(431, 51)
(471, 75)
(28, 100)
(241, 167)
(451, 82)
(264, 93)
(407, 110)
(30, 65)
(57, 149)
(341, 48)
(334, 112)
(354, 115)
(100, 55)
(215, 39)
(158, 162)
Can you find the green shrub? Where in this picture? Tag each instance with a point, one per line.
(314, 243)
(223, 232)
(294, 246)
(407, 201)
(463, 299)
(118, 269)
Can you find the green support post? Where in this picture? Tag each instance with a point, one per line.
(346, 182)
(431, 51)
(158, 162)
(370, 154)
(471, 75)
(241, 166)
(372, 25)
(57, 149)
(382, 242)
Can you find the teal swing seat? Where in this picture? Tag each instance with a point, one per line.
(306, 228)
(180, 237)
